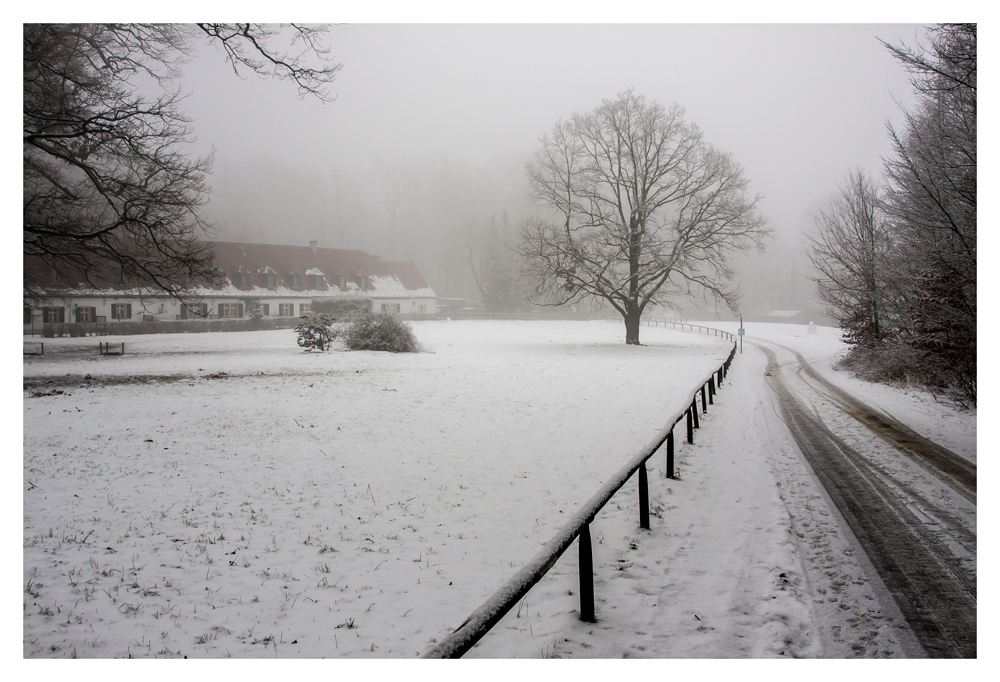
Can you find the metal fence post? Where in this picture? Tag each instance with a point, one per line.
(690, 427)
(711, 390)
(670, 453)
(704, 405)
(643, 498)
(694, 413)
(586, 576)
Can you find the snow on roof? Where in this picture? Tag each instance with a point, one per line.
(347, 271)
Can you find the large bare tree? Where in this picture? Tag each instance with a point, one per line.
(111, 193)
(642, 209)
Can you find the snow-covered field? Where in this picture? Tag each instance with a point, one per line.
(236, 496)
(218, 495)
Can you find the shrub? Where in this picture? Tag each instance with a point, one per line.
(380, 331)
(891, 363)
(341, 307)
(898, 364)
(316, 331)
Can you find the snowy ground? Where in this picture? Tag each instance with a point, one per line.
(220, 495)
(954, 429)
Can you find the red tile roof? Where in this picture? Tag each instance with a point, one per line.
(282, 261)
(255, 259)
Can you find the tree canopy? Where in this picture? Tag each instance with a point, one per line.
(641, 209)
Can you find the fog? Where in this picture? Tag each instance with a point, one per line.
(427, 139)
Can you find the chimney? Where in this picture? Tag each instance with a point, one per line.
(312, 246)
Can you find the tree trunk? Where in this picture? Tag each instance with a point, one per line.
(632, 318)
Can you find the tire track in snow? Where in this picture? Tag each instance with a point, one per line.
(949, 467)
(925, 578)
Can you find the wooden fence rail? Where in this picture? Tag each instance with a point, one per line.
(493, 609)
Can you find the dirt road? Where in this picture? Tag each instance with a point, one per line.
(921, 545)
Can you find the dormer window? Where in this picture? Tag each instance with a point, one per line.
(316, 282)
(241, 280)
(269, 281)
(294, 282)
(342, 282)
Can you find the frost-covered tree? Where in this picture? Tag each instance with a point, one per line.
(641, 208)
(932, 183)
(852, 252)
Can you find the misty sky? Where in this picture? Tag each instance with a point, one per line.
(797, 105)
(455, 110)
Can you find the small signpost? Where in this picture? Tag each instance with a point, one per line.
(741, 334)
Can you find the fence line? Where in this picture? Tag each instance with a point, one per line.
(711, 331)
(105, 348)
(492, 610)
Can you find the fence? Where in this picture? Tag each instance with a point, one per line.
(711, 331)
(106, 349)
(490, 612)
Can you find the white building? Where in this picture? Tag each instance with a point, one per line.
(277, 281)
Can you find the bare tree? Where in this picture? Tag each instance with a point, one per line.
(110, 193)
(398, 187)
(643, 209)
(852, 251)
(495, 268)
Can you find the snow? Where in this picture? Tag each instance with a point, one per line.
(951, 427)
(227, 494)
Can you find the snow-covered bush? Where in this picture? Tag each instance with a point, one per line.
(316, 331)
(380, 331)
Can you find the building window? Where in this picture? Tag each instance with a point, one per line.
(121, 311)
(86, 314)
(294, 282)
(269, 281)
(390, 308)
(242, 280)
(316, 282)
(230, 310)
(342, 282)
(423, 308)
(194, 310)
(303, 308)
(265, 309)
(286, 309)
(54, 315)
(27, 314)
